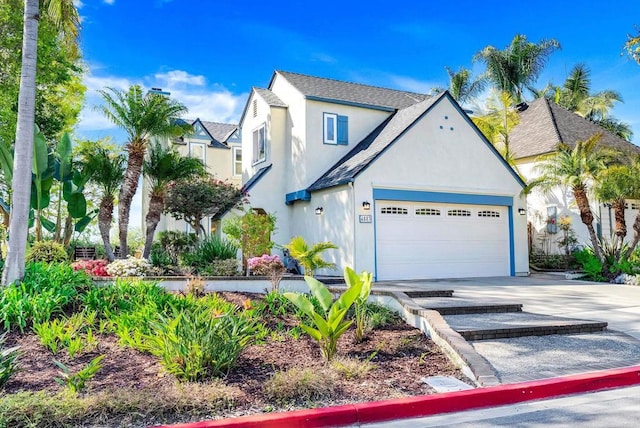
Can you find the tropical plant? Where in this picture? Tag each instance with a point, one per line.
(328, 325)
(518, 66)
(177, 243)
(363, 282)
(196, 345)
(195, 199)
(65, 18)
(141, 117)
(208, 250)
(8, 360)
(160, 167)
(46, 252)
(76, 382)
(498, 121)
(463, 87)
(310, 257)
(105, 168)
(575, 95)
(575, 168)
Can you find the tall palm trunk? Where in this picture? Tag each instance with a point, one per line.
(127, 191)
(23, 158)
(580, 195)
(620, 229)
(156, 205)
(105, 217)
(636, 237)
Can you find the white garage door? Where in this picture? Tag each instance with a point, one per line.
(416, 240)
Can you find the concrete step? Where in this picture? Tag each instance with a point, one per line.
(417, 294)
(518, 324)
(461, 306)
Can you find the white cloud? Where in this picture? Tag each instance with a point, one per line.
(109, 1)
(78, 4)
(176, 77)
(413, 85)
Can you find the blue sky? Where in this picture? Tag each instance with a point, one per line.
(209, 53)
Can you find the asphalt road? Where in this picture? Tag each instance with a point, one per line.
(605, 409)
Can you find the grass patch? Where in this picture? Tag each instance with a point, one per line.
(300, 385)
(351, 368)
(115, 408)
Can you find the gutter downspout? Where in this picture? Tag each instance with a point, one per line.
(353, 209)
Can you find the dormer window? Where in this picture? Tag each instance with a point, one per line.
(259, 145)
(336, 130)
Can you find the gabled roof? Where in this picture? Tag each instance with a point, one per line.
(365, 152)
(219, 132)
(255, 178)
(269, 97)
(544, 125)
(323, 89)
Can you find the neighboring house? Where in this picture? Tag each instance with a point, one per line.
(219, 147)
(542, 126)
(404, 184)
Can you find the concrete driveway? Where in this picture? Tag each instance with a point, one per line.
(548, 294)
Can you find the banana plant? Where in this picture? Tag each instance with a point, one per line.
(328, 326)
(364, 282)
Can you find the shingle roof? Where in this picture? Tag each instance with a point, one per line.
(336, 90)
(269, 97)
(365, 152)
(544, 124)
(220, 131)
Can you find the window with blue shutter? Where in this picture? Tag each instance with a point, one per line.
(335, 129)
(343, 130)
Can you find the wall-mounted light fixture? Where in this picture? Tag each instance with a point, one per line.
(522, 211)
(319, 211)
(366, 205)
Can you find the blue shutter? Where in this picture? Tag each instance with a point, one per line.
(343, 130)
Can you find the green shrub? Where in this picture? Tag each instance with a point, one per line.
(8, 360)
(76, 382)
(327, 325)
(73, 333)
(46, 252)
(176, 243)
(251, 232)
(46, 290)
(590, 264)
(210, 249)
(380, 316)
(300, 385)
(195, 345)
(160, 257)
(227, 267)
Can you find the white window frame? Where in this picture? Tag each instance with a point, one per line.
(235, 152)
(256, 144)
(204, 151)
(325, 128)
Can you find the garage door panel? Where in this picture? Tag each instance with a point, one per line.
(473, 241)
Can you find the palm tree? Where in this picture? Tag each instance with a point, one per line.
(162, 166)
(614, 185)
(64, 14)
(462, 87)
(498, 121)
(518, 66)
(106, 170)
(576, 168)
(633, 47)
(575, 95)
(140, 117)
(309, 257)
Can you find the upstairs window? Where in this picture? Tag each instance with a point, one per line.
(335, 129)
(259, 145)
(237, 161)
(197, 151)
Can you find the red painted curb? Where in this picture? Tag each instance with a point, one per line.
(427, 405)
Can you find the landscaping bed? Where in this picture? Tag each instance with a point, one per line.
(281, 368)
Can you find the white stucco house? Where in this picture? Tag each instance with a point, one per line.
(219, 147)
(404, 184)
(542, 126)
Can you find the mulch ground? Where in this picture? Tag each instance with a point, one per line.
(400, 355)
